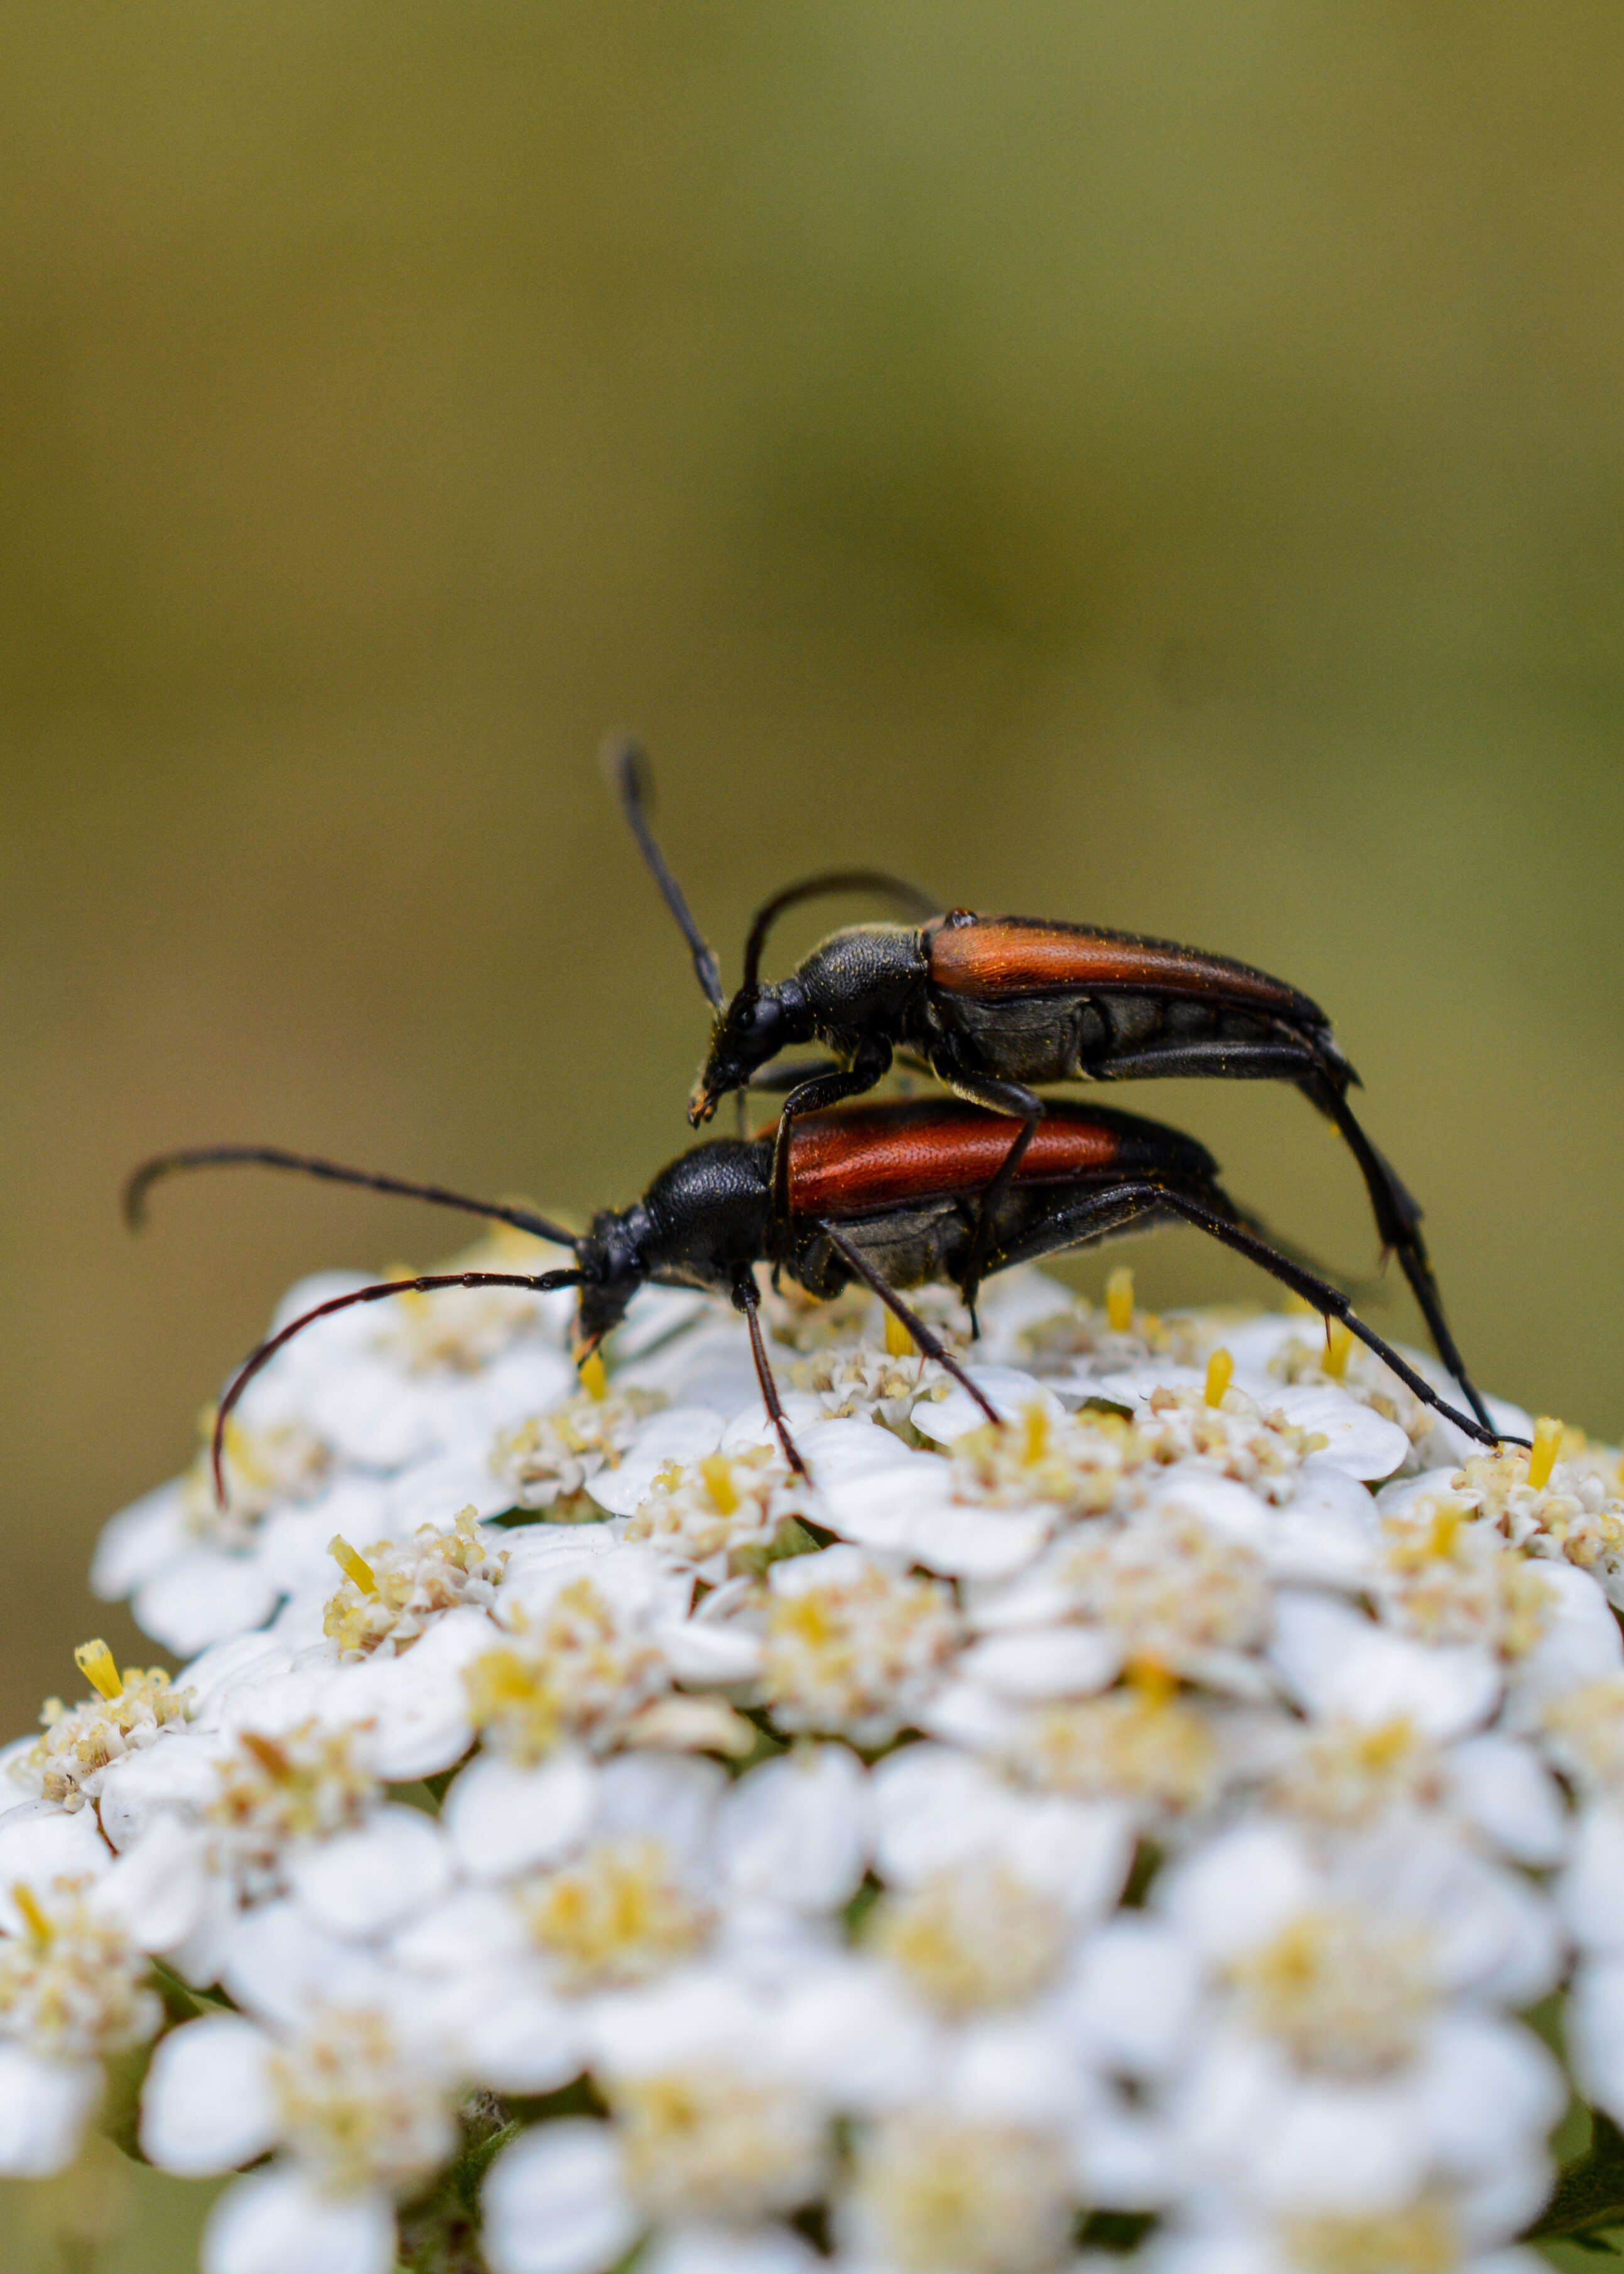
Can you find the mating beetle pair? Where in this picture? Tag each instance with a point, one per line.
(900, 1194)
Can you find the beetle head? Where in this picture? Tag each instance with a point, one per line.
(611, 1267)
(753, 1027)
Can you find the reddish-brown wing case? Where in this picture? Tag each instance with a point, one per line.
(1021, 955)
(856, 1160)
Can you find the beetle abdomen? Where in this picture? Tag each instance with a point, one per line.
(856, 1160)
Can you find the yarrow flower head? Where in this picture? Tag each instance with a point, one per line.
(1137, 1826)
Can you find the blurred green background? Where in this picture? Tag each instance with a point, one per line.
(1157, 463)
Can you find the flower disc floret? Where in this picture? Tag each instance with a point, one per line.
(1579, 1514)
(1237, 1438)
(703, 2142)
(580, 1669)
(1444, 1578)
(1142, 1744)
(934, 2191)
(1173, 1588)
(1349, 1774)
(73, 1986)
(974, 1938)
(618, 1915)
(357, 2106)
(272, 1466)
(1074, 1466)
(722, 1514)
(461, 1330)
(1420, 2237)
(1346, 1994)
(851, 1647)
(303, 1784)
(81, 1743)
(393, 1593)
(550, 1460)
(856, 1385)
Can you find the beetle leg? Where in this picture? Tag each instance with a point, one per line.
(1021, 1103)
(1398, 1217)
(822, 1089)
(1093, 1215)
(932, 1346)
(746, 1299)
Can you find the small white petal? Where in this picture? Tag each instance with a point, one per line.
(208, 2105)
(1135, 1995)
(436, 1492)
(40, 1842)
(852, 2030)
(417, 1704)
(1239, 1890)
(1581, 1642)
(470, 1920)
(177, 1776)
(204, 1596)
(714, 2250)
(364, 1882)
(44, 2107)
(217, 1671)
(1596, 2034)
(1504, 1789)
(795, 1831)
(554, 2205)
(277, 1963)
(276, 2221)
(680, 1435)
(705, 1652)
(1590, 1892)
(668, 1797)
(1360, 1442)
(1004, 1387)
(1069, 1661)
(511, 2035)
(156, 1889)
(138, 1541)
(502, 1818)
(1335, 1662)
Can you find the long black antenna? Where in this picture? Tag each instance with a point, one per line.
(917, 903)
(538, 1283)
(627, 770)
(309, 1164)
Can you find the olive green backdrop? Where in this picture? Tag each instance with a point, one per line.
(1158, 463)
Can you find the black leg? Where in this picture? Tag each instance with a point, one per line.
(748, 1301)
(1022, 1104)
(822, 1089)
(859, 1266)
(1398, 1219)
(1091, 1216)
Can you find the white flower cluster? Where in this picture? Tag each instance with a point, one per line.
(1140, 1829)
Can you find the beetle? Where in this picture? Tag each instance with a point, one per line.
(889, 1194)
(998, 1007)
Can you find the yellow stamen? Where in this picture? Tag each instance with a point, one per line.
(1542, 1458)
(95, 1661)
(1219, 1368)
(271, 1757)
(1338, 1348)
(1446, 1521)
(353, 1566)
(39, 1926)
(1119, 1299)
(1151, 1681)
(1034, 1424)
(899, 1341)
(594, 1380)
(718, 1472)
